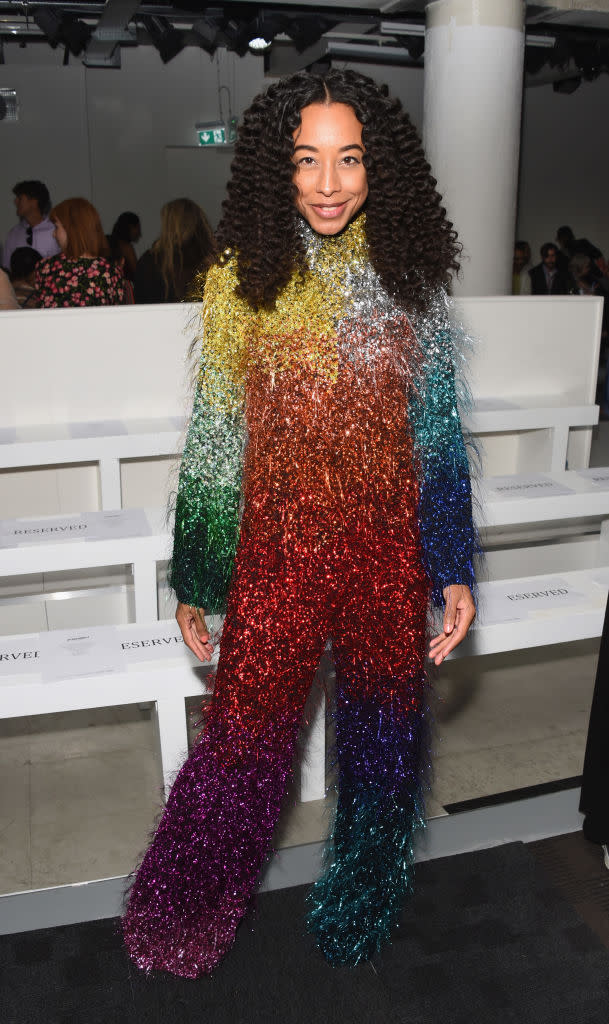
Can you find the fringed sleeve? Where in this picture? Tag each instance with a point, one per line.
(208, 502)
(448, 535)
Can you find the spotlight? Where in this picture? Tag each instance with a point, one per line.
(414, 44)
(75, 34)
(263, 30)
(48, 20)
(167, 40)
(306, 30)
(62, 28)
(567, 85)
(534, 59)
(237, 36)
(587, 59)
(207, 34)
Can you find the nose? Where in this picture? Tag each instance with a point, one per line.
(328, 181)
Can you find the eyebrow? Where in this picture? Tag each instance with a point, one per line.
(343, 149)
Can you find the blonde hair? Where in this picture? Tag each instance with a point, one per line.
(186, 243)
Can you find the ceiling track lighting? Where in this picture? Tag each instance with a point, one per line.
(169, 41)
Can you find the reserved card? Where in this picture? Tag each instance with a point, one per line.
(502, 601)
(17, 532)
(19, 655)
(531, 485)
(75, 653)
(599, 477)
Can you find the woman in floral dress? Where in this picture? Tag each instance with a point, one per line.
(82, 274)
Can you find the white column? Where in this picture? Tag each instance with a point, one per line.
(474, 53)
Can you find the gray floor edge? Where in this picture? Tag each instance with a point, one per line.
(524, 820)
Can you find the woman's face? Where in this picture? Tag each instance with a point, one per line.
(60, 235)
(329, 172)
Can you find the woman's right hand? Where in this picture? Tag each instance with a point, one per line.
(194, 630)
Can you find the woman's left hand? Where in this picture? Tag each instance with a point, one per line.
(459, 613)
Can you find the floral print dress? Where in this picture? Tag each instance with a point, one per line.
(61, 281)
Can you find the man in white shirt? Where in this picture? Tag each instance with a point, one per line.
(32, 203)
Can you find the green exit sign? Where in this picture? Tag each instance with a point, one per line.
(217, 133)
(212, 136)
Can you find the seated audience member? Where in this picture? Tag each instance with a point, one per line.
(23, 275)
(521, 282)
(82, 275)
(546, 278)
(583, 279)
(32, 203)
(8, 299)
(126, 231)
(186, 244)
(569, 246)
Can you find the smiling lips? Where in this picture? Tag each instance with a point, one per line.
(333, 210)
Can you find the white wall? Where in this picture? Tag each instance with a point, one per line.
(110, 134)
(104, 133)
(564, 164)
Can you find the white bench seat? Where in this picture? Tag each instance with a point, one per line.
(575, 615)
(104, 442)
(159, 670)
(515, 414)
(526, 499)
(142, 552)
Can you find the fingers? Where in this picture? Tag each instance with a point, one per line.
(194, 631)
(458, 616)
(450, 612)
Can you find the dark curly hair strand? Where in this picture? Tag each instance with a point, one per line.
(412, 243)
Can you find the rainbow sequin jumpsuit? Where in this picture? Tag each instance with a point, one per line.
(324, 493)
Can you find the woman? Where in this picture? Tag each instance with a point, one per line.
(82, 274)
(324, 492)
(166, 271)
(126, 231)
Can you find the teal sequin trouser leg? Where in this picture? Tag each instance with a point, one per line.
(382, 754)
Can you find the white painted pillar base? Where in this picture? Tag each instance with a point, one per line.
(474, 54)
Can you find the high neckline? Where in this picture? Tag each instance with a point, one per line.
(349, 244)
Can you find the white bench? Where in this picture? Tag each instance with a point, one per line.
(106, 443)
(516, 414)
(575, 614)
(154, 667)
(48, 555)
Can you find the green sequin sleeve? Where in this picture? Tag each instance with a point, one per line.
(208, 503)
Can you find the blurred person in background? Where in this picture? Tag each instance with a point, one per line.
(35, 229)
(8, 299)
(546, 277)
(23, 275)
(82, 274)
(521, 282)
(126, 232)
(186, 244)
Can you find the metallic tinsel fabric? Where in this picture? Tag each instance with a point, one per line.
(324, 492)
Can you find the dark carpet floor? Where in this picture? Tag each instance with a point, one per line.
(486, 938)
(576, 868)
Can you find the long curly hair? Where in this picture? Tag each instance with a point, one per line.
(412, 244)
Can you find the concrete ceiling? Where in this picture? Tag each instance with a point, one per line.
(361, 29)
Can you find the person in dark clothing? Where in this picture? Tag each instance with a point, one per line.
(127, 230)
(594, 804)
(24, 261)
(546, 278)
(570, 246)
(185, 246)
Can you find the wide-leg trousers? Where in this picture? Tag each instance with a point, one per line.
(368, 592)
